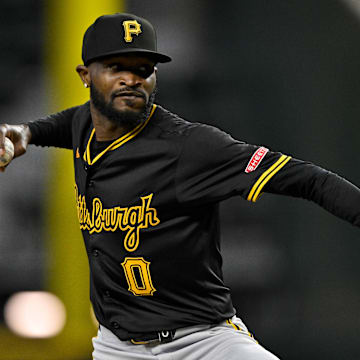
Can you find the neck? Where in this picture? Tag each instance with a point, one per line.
(105, 129)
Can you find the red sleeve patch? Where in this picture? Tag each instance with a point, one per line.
(256, 159)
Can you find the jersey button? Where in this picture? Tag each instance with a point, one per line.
(86, 168)
(115, 325)
(91, 183)
(95, 252)
(107, 293)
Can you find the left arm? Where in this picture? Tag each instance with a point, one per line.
(308, 181)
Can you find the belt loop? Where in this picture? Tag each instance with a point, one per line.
(166, 336)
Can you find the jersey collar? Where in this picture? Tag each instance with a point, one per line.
(118, 142)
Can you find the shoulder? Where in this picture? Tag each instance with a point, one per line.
(173, 124)
(170, 123)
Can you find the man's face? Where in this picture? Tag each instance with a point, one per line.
(123, 87)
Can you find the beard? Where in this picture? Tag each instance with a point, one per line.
(123, 118)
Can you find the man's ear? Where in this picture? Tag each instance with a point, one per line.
(84, 74)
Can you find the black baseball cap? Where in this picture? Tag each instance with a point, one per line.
(118, 34)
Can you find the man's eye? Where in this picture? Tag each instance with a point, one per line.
(145, 71)
(114, 67)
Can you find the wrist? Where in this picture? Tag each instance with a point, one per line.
(26, 133)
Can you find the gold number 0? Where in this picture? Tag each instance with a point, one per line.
(138, 288)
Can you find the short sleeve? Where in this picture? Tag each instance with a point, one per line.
(213, 166)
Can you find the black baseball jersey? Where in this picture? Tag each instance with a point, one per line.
(148, 208)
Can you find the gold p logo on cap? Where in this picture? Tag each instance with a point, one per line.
(131, 27)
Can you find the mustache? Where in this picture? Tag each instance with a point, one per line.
(128, 91)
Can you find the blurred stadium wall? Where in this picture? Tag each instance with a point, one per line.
(63, 265)
(283, 74)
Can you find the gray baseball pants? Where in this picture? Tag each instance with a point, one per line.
(229, 340)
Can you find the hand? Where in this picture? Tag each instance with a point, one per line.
(20, 135)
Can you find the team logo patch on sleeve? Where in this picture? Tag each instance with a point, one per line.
(256, 159)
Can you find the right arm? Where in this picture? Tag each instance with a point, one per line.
(53, 130)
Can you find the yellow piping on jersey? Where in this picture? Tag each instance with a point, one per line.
(118, 142)
(266, 176)
(236, 327)
(139, 342)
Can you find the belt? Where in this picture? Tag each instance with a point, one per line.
(163, 337)
(167, 336)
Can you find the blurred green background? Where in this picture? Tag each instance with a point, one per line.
(283, 74)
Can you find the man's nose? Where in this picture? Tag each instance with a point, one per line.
(129, 78)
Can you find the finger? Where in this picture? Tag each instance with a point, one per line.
(3, 131)
(20, 145)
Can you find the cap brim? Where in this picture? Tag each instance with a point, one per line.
(157, 57)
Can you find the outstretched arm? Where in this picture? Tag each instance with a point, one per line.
(53, 130)
(213, 167)
(311, 182)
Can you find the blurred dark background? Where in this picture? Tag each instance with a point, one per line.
(283, 74)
